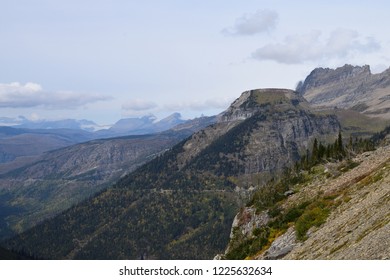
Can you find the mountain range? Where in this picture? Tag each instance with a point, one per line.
(180, 200)
(22, 139)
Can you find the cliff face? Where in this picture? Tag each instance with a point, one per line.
(181, 204)
(351, 87)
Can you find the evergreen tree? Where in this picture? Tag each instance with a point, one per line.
(315, 154)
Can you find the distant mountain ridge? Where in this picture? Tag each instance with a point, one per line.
(352, 87)
(18, 143)
(29, 138)
(143, 125)
(127, 126)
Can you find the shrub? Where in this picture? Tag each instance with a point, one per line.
(313, 216)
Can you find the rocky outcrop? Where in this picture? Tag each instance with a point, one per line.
(248, 220)
(351, 87)
(282, 245)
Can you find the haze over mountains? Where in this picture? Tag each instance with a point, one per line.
(22, 138)
(129, 126)
(180, 204)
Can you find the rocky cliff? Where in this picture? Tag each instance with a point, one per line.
(352, 87)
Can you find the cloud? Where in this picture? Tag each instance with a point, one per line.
(297, 49)
(251, 24)
(196, 105)
(139, 105)
(16, 95)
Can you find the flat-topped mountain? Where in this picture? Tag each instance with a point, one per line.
(351, 87)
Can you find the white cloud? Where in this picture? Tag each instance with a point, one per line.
(139, 105)
(196, 105)
(297, 49)
(17, 95)
(250, 24)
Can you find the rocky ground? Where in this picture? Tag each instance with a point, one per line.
(359, 227)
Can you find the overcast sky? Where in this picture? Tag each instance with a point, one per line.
(108, 59)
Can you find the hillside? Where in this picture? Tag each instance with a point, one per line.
(337, 210)
(20, 143)
(35, 188)
(349, 87)
(181, 204)
(59, 179)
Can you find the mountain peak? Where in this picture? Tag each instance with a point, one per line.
(256, 100)
(321, 76)
(173, 118)
(351, 87)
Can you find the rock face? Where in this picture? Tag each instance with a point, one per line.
(351, 87)
(248, 220)
(271, 127)
(283, 245)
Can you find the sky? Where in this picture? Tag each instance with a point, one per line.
(104, 60)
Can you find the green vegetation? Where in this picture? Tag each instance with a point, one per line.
(314, 215)
(356, 124)
(270, 97)
(307, 214)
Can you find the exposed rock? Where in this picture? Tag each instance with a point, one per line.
(248, 220)
(349, 87)
(281, 246)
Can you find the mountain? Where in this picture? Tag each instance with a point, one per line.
(335, 209)
(24, 140)
(18, 142)
(144, 125)
(22, 122)
(181, 204)
(33, 190)
(349, 87)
